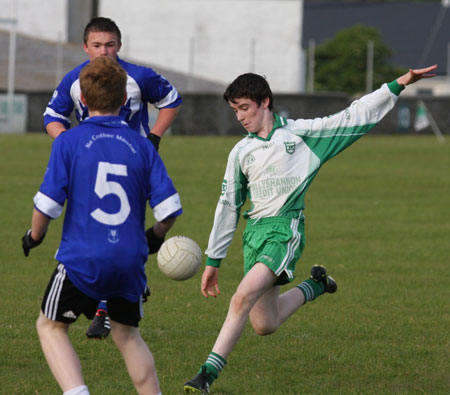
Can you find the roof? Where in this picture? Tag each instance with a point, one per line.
(417, 33)
(38, 67)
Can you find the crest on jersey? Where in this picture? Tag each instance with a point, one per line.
(224, 187)
(113, 236)
(250, 159)
(290, 147)
(54, 96)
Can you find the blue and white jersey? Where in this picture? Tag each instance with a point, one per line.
(144, 86)
(106, 172)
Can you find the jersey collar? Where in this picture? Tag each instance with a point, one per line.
(106, 119)
(278, 123)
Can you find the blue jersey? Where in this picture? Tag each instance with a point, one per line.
(106, 172)
(144, 86)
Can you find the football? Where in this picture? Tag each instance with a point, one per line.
(179, 258)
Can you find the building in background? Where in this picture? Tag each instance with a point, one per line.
(207, 39)
(217, 39)
(202, 45)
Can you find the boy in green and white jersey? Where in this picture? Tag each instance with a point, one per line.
(273, 166)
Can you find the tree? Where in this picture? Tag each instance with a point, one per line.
(341, 62)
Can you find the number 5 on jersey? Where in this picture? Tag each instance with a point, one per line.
(104, 187)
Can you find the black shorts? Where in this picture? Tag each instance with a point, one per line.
(63, 302)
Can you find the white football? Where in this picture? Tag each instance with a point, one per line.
(179, 258)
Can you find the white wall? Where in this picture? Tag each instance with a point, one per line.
(215, 39)
(42, 19)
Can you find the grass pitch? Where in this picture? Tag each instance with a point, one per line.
(377, 216)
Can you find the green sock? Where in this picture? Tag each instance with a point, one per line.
(311, 289)
(213, 365)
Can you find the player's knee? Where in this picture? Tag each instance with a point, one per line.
(240, 302)
(42, 326)
(124, 335)
(265, 329)
(39, 326)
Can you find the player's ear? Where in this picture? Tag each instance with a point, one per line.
(124, 99)
(266, 103)
(83, 100)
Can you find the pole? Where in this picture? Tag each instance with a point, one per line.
(437, 132)
(11, 64)
(369, 66)
(59, 59)
(448, 61)
(191, 62)
(311, 61)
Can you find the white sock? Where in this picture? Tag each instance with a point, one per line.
(81, 390)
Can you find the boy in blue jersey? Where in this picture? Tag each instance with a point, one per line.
(106, 172)
(102, 37)
(274, 166)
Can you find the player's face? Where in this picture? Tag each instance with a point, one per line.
(102, 44)
(249, 113)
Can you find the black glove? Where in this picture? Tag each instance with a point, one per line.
(28, 243)
(154, 139)
(154, 242)
(146, 294)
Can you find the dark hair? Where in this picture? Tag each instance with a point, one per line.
(103, 83)
(101, 24)
(251, 86)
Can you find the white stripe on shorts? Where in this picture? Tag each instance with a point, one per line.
(51, 304)
(292, 246)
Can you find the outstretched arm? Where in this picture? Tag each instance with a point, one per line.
(417, 74)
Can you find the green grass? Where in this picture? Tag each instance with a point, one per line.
(378, 216)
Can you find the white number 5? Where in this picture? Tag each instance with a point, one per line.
(104, 187)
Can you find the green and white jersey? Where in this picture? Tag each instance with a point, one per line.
(275, 172)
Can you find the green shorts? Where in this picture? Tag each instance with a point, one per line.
(278, 242)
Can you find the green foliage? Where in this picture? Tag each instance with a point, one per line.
(341, 62)
(377, 217)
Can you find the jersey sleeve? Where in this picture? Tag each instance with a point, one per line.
(159, 91)
(330, 135)
(60, 105)
(53, 191)
(232, 198)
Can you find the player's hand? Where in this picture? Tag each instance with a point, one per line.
(28, 242)
(154, 139)
(146, 294)
(210, 281)
(154, 242)
(417, 74)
